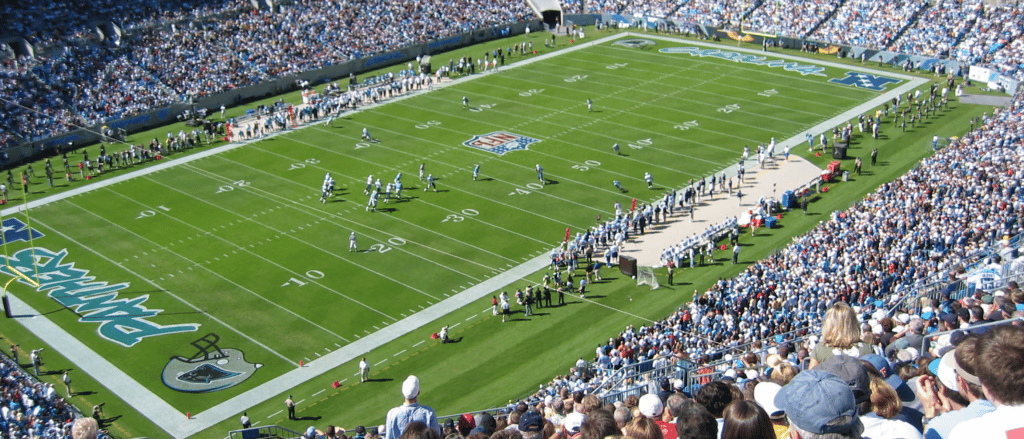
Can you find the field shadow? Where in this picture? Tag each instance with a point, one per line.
(308, 418)
(378, 380)
(105, 422)
(85, 393)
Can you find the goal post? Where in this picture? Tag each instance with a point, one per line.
(645, 275)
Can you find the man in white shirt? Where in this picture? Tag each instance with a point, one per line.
(364, 370)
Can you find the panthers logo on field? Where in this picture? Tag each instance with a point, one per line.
(865, 80)
(500, 142)
(211, 369)
(636, 43)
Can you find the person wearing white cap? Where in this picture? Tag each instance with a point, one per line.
(958, 374)
(764, 396)
(410, 411)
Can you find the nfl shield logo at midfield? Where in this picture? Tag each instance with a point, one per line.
(500, 142)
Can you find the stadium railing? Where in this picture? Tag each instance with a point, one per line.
(926, 340)
(266, 432)
(935, 288)
(634, 378)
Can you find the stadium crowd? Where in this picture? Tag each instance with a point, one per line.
(29, 408)
(172, 51)
(789, 17)
(867, 23)
(719, 14)
(953, 18)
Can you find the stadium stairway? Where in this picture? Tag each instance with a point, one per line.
(913, 19)
(971, 22)
(753, 8)
(827, 17)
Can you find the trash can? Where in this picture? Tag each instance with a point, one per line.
(846, 175)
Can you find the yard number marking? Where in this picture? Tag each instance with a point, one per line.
(729, 108)
(149, 213)
(686, 125)
(521, 191)
(311, 274)
(231, 187)
(381, 248)
(587, 165)
(459, 218)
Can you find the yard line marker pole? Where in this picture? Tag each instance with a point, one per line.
(28, 222)
(15, 274)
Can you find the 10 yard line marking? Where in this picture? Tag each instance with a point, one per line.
(399, 353)
(417, 344)
(275, 414)
(322, 391)
(381, 362)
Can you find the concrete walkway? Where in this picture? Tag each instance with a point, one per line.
(778, 177)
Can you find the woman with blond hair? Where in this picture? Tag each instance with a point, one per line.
(840, 334)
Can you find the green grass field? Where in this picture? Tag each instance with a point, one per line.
(237, 244)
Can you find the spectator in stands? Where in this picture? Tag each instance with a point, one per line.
(597, 424)
(399, 417)
(643, 427)
(418, 430)
(820, 405)
(940, 406)
(910, 337)
(695, 422)
(840, 334)
(1000, 354)
(746, 420)
(715, 396)
(852, 371)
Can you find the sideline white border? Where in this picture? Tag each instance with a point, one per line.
(174, 423)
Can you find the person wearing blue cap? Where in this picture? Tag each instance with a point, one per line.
(817, 404)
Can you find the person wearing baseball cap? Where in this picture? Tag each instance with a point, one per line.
(573, 423)
(853, 372)
(410, 411)
(1000, 354)
(531, 425)
(818, 403)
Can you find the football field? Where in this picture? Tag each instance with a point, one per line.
(217, 281)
